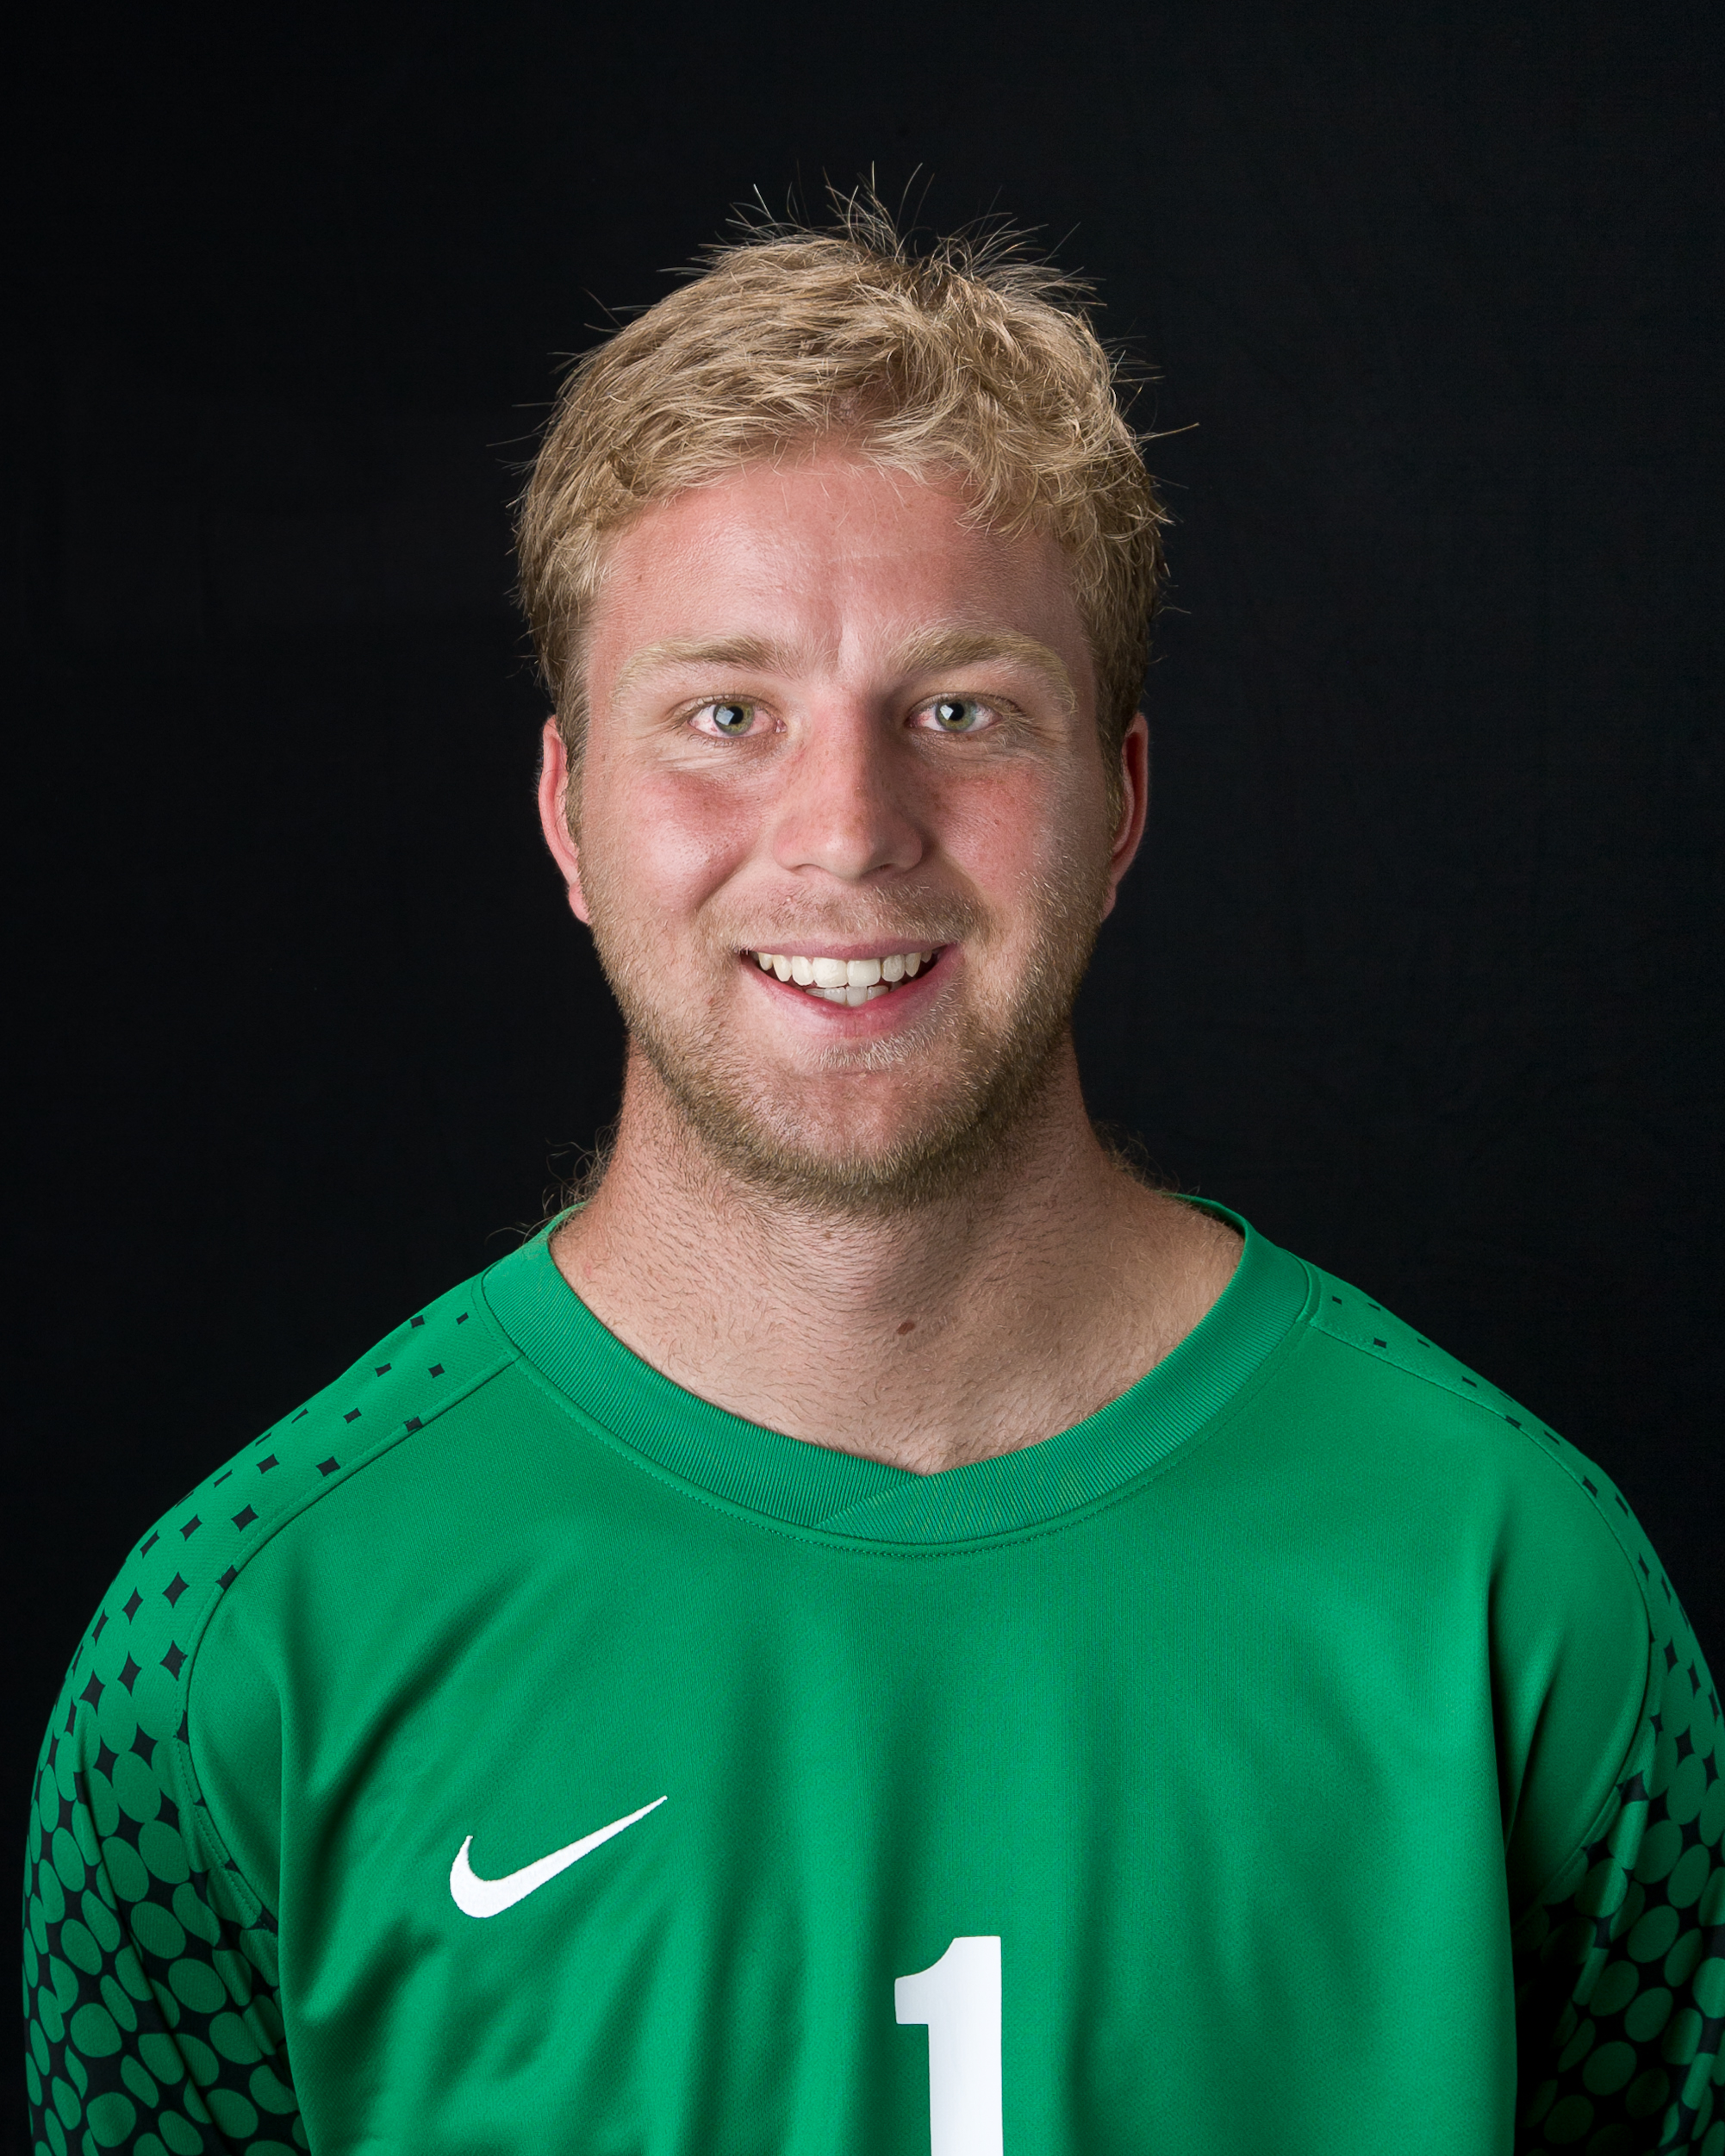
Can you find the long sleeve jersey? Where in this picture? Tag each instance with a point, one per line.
(509, 1751)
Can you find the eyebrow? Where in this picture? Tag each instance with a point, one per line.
(936, 650)
(748, 654)
(932, 651)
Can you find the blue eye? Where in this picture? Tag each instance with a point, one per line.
(731, 719)
(957, 714)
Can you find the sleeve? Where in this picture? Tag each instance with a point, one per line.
(154, 2017)
(1620, 1963)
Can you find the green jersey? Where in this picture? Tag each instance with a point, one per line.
(512, 1752)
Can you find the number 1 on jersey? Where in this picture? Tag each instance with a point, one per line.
(960, 1999)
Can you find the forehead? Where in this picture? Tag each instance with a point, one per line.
(829, 555)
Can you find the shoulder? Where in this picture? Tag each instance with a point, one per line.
(1467, 1425)
(143, 1913)
(1581, 1626)
(123, 1709)
(418, 1373)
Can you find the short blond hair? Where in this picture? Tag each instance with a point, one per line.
(967, 357)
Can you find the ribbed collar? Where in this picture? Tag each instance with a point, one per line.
(830, 1493)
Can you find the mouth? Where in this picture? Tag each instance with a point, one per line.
(849, 982)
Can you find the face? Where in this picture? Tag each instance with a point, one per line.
(845, 836)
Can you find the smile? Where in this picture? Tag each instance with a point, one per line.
(852, 981)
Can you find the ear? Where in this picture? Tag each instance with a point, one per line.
(554, 816)
(1135, 803)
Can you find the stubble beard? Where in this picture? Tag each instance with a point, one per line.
(790, 1143)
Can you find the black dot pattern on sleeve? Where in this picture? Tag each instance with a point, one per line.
(1621, 1968)
(154, 2022)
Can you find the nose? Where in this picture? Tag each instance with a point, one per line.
(844, 807)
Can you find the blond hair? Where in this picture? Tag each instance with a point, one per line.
(969, 357)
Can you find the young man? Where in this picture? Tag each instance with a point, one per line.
(876, 1633)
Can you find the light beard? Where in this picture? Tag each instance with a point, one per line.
(971, 1122)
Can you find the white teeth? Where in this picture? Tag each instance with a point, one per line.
(849, 982)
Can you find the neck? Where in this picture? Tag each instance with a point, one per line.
(927, 1337)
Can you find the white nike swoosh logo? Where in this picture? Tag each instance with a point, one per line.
(490, 1897)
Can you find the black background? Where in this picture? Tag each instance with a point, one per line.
(1418, 970)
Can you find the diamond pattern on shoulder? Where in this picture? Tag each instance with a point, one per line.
(199, 1552)
(1346, 1315)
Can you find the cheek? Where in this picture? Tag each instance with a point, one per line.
(1026, 832)
(663, 842)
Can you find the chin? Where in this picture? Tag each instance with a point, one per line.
(871, 1165)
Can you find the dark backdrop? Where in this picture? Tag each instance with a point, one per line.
(1418, 968)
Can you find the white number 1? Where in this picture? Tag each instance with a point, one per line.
(960, 1999)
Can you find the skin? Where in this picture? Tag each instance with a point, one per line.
(835, 604)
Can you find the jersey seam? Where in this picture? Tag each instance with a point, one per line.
(1561, 1465)
(1612, 1800)
(1555, 1461)
(180, 1746)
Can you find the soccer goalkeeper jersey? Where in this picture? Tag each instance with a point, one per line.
(512, 1752)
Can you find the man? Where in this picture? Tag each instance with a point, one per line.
(876, 1632)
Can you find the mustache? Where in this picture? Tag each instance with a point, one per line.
(947, 920)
